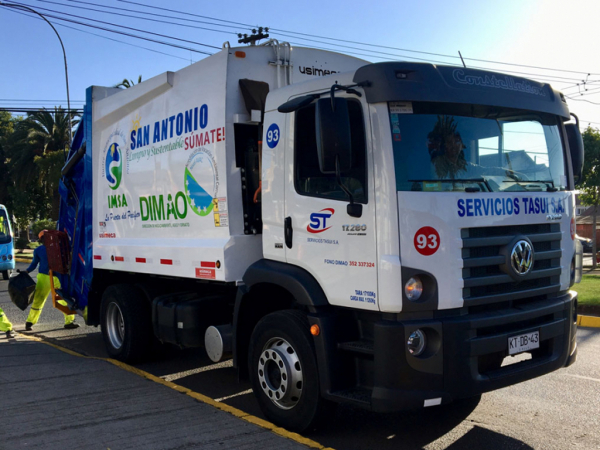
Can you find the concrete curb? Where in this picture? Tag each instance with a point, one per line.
(588, 321)
(23, 260)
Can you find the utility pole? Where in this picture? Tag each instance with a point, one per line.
(255, 36)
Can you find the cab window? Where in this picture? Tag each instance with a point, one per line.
(308, 178)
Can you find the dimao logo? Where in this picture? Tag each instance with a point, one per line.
(318, 221)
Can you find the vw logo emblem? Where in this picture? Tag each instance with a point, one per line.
(521, 257)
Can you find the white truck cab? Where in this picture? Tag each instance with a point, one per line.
(388, 235)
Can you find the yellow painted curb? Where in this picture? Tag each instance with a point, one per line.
(588, 321)
(195, 395)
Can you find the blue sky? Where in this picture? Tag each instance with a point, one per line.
(548, 34)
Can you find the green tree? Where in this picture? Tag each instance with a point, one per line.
(26, 207)
(38, 149)
(128, 83)
(590, 186)
(44, 224)
(7, 128)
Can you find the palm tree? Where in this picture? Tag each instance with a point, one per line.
(50, 131)
(128, 83)
(38, 142)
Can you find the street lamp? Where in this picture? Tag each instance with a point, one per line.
(12, 5)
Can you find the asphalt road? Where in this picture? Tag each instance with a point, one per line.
(558, 411)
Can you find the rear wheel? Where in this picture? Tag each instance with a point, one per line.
(126, 323)
(284, 373)
(5, 274)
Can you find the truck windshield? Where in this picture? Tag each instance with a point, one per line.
(452, 147)
(5, 237)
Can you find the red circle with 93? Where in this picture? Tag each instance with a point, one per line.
(427, 241)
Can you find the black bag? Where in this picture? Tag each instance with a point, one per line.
(21, 289)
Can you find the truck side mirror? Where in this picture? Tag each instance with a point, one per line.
(333, 134)
(576, 148)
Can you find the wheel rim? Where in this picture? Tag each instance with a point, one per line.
(115, 325)
(280, 373)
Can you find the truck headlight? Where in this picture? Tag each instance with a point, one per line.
(413, 289)
(416, 342)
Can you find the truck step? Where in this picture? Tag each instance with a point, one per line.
(71, 303)
(359, 396)
(362, 346)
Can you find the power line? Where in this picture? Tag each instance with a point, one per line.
(38, 101)
(122, 26)
(108, 38)
(143, 12)
(31, 110)
(129, 15)
(127, 34)
(278, 30)
(540, 76)
(186, 13)
(543, 77)
(581, 100)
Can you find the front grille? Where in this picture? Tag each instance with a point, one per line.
(488, 286)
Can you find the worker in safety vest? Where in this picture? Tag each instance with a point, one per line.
(42, 288)
(6, 326)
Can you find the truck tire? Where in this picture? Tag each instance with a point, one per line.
(284, 374)
(5, 274)
(126, 323)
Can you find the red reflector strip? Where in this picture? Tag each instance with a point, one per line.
(140, 260)
(208, 264)
(168, 262)
(97, 257)
(119, 258)
(81, 258)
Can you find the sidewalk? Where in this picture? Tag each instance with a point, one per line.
(587, 270)
(56, 400)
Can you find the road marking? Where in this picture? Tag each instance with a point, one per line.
(195, 395)
(187, 373)
(249, 391)
(597, 380)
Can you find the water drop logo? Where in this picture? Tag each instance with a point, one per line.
(113, 169)
(201, 180)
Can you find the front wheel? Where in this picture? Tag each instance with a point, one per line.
(284, 374)
(126, 323)
(5, 274)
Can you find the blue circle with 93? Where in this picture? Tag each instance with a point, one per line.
(273, 135)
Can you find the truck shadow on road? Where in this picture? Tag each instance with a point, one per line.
(358, 429)
(483, 438)
(351, 428)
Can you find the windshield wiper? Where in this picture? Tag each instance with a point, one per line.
(457, 180)
(549, 183)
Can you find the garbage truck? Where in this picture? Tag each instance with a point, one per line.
(392, 235)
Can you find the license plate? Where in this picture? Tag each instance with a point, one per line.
(523, 342)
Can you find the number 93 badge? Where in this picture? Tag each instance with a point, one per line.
(272, 135)
(427, 241)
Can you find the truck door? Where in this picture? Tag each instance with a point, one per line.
(337, 249)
